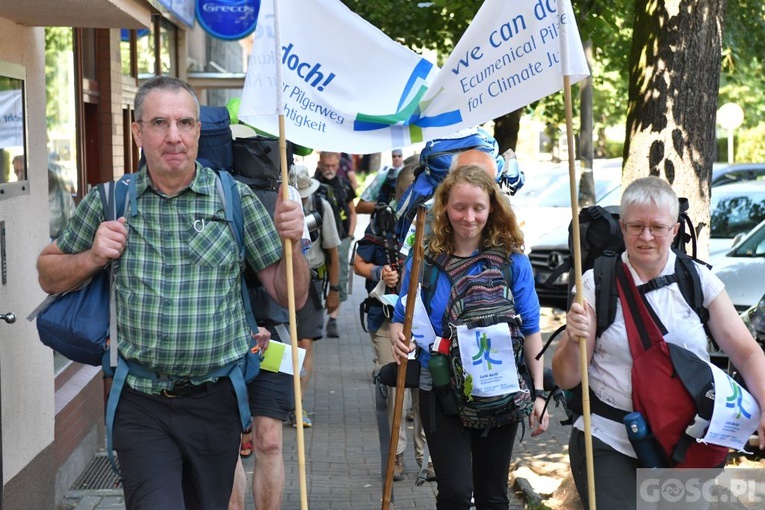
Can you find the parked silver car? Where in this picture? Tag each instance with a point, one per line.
(742, 269)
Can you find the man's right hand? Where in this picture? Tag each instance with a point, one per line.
(109, 242)
(389, 276)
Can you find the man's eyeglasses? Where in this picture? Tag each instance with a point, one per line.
(636, 229)
(161, 125)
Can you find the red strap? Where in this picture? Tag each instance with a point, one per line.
(642, 331)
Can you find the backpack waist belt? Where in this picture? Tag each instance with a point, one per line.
(233, 371)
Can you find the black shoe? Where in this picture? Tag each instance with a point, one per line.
(332, 328)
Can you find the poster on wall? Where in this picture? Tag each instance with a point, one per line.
(11, 118)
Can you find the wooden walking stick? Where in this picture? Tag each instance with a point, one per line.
(401, 375)
(577, 253)
(290, 276)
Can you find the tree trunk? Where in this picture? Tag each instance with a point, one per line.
(506, 130)
(673, 87)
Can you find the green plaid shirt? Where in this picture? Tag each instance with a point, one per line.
(179, 303)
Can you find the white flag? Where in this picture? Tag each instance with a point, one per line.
(509, 56)
(346, 85)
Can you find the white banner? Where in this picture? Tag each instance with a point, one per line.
(349, 87)
(487, 357)
(736, 414)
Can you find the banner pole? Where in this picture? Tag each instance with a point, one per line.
(401, 373)
(290, 270)
(577, 253)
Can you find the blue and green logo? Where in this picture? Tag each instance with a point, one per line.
(483, 342)
(409, 110)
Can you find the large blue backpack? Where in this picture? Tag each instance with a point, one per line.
(215, 140)
(435, 159)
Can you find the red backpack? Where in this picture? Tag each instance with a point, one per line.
(671, 386)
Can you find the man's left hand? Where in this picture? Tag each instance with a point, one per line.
(262, 338)
(288, 218)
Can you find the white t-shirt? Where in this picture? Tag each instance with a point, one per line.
(610, 372)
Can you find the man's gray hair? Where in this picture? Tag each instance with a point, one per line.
(161, 83)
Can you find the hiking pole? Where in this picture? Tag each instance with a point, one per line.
(290, 273)
(577, 253)
(401, 375)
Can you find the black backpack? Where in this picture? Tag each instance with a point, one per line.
(256, 163)
(327, 192)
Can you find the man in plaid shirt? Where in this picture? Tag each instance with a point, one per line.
(179, 303)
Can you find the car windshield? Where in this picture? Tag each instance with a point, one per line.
(559, 194)
(753, 246)
(735, 211)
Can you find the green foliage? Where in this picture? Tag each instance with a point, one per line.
(58, 42)
(435, 25)
(748, 144)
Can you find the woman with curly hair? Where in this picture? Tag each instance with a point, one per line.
(471, 218)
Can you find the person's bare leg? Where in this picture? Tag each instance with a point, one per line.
(268, 474)
(305, 374)
(240, 486)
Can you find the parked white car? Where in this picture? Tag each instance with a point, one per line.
(551, 208)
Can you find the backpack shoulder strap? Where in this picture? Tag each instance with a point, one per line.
(232, 206)
(116, 197)
(690, 286)
(507, 271)
(687, 277)
(430, 270)
(606, 294)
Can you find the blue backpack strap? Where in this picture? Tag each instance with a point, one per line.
(115, 197)
(120, 375)
(229, 194)
(241, 373)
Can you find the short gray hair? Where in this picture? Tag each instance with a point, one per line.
(651, 190)
(161, 83)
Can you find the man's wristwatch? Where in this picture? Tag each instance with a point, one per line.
(335, 288)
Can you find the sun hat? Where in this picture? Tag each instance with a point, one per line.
(306, 184)
(242, 131)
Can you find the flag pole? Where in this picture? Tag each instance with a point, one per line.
(290, 269)
(577, 253)
(401, 373)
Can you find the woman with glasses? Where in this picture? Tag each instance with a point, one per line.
(649, 222)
